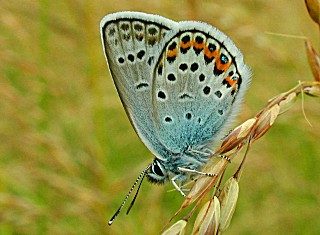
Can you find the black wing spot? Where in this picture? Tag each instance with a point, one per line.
(171, 77)
(141, 54)
(188, 116)
(199, 120)
(199, 39)
(160, 70)
(138, 27)
(139, 36)
(168, 119)
(208, 59)
(131, 57)
(224, 82)
(194, 67)
(239, 82)
(231, 73)
(125, 27)
(183, 67)
(152, 41)
(217, 71)
(152, 30)
(184, 50)
(161, 95)
(171, 59)
(141, 85)
(172, 46)
(218, 94)
(150, 60)
(185, 96)
(212, 47)
(185, 39)
(111, 33)
(126, 37)
(121, 60)
(220, 111)
(232, 92)
(206, 90)
(202, 77)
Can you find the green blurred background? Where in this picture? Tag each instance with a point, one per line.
(69, 154)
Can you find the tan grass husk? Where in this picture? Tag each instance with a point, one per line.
(207, 221)
(228, 200)
(177, 228)
(248, 132)
(313, 59)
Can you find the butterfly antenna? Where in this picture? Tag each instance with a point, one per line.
(135, 196)
(140, 178)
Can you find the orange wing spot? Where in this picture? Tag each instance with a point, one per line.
(198, 46)
(231, 82)
(172, 53)
(221, 66)
(185, 45)
(210, 54)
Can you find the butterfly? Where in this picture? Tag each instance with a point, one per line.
(181, 85)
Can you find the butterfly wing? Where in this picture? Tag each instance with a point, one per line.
(199, 81)
(131, 46)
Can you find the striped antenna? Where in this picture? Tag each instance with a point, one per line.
(140, 178)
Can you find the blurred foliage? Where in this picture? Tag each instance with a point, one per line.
(69, 154)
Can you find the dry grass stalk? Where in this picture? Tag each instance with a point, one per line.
(247, 132)
(216, 214)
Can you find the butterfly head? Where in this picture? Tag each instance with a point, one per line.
(157, 173)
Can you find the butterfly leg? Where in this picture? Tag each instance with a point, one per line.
(176, 186)
(207, 152)
(196, 172)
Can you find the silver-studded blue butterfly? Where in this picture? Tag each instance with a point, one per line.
(181, 84)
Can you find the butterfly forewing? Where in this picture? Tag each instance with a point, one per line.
(131, 45)
(197, 86)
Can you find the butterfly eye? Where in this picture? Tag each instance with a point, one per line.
(157, 170)
(157, 173)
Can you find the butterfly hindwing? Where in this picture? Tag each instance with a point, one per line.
(198, 83)
(131, 45)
